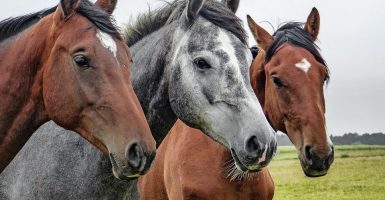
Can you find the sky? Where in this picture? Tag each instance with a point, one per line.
(351, 39)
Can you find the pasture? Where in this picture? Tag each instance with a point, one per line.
(358, 172)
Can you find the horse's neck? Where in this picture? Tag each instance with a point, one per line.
(21, 108)
(149, 75)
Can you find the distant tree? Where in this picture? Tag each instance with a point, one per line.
(355, 138)
(346, 139)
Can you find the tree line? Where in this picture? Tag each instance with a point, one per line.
(346, 139)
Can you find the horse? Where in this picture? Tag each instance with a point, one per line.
(180, 171)
(198, 73)
(296, 105)
(70, 65)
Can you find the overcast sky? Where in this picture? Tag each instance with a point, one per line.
(352, 40)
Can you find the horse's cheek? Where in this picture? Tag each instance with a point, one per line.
(59, 97)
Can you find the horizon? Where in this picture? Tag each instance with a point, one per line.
(331, 135)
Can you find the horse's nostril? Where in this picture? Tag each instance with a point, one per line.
(330, 158)
(134, 156)
(253, 147)
(308, 154)
(273, 148)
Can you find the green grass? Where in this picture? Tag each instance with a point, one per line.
(358, 172)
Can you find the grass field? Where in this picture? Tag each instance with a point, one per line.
(358, 172)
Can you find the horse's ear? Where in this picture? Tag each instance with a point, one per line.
(194, 6)
(261, 36)
(107, 5)
(68, 7)
(232, 4)
(258, 77)
(312, 24)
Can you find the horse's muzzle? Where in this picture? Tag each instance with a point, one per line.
(136, 162)
(315, 166)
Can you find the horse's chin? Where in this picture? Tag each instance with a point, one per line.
(313, 173)
(241, 167)
(309, 172)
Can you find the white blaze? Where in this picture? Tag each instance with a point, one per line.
(107, 41)
(227, 46)
(304, 65)
(253, 101)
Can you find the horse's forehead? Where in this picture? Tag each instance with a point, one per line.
(308, 65)
(298, 70)
(303, 65)
(297, 57)
(107, 42)
(239, 55)
(205, 36)
(208, 32)
(226, 45)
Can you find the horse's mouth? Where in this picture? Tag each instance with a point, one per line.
(311, 171)
(119, 172)
(240, 166)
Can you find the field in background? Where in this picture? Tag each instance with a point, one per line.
(358, 172)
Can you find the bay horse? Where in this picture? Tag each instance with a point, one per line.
(190, 62)
(289, 81)
(70, 65)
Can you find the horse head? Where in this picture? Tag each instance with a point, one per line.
(288, 76)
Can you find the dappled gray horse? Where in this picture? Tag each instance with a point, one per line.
(190, 61)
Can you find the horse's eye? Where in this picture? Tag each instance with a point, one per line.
(201, 63)
(277, 82)
(82, 61)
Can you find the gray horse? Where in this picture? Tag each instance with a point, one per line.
(190, 61)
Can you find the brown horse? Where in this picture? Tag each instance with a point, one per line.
(69, 64)
(290, 87)
(288, 80)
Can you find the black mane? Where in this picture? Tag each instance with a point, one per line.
(294, 34)
(12, 26)
(213, 11)
(103, 21)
